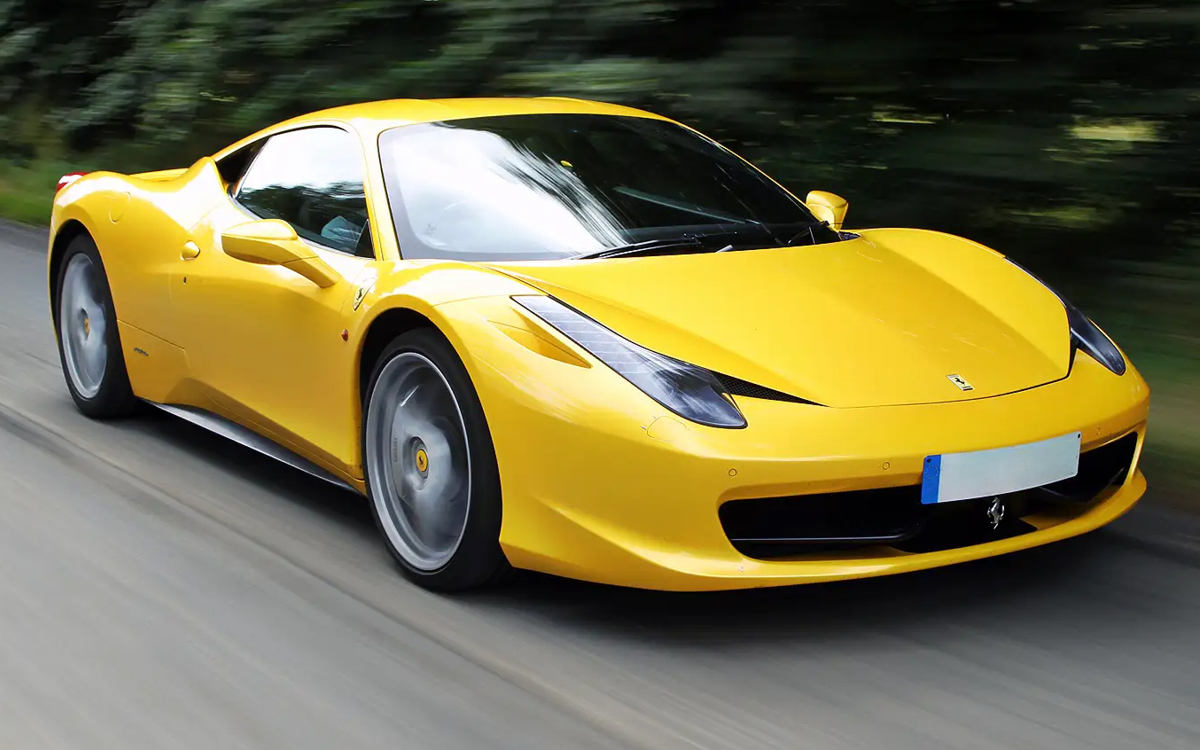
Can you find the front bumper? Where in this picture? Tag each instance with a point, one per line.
(601, 484)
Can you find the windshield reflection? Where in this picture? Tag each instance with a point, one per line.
(556, 186)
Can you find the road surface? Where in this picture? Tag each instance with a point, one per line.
(161, 588)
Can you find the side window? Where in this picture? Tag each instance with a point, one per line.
(313, 180)
(234, 166)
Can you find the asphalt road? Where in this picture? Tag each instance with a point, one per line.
(161, 588)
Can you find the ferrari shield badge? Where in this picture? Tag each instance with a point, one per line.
(364, 288)
(961, 382)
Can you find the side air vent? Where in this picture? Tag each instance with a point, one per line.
(739, 387)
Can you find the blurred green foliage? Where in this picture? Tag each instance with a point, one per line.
(1063, 132)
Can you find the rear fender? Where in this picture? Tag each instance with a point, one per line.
(140, 224)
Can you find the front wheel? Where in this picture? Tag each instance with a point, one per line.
(89, 344)
(430, 466)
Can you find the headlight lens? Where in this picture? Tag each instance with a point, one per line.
(690, 391)
(1085, 334)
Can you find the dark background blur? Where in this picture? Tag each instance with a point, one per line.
(1065, 133)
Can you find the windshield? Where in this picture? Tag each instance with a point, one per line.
(524, 187)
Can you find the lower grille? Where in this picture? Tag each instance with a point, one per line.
(776, 527)
(1098, 468)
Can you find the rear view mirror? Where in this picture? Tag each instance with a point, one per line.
(271, 242)
(828, 207)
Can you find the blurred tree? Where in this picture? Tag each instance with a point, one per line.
(1062, 131)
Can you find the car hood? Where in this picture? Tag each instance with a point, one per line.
(883, 319)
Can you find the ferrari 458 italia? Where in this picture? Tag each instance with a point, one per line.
(587, 340)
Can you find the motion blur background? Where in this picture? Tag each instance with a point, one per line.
(1065, 133)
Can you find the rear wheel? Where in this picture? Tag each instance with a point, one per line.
(430, 466)
(89, 344)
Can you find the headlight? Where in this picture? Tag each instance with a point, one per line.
(690, 391)
(1085, 334)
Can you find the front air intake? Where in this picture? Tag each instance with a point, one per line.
(780, 527)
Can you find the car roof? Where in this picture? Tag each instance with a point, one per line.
(371, 118)
(407, 111)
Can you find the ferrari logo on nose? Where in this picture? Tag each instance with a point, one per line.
(961, 382)
(995, 512)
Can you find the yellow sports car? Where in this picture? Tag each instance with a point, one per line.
(584, 339)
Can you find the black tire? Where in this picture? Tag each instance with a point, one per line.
(114, 399)
(478, 559)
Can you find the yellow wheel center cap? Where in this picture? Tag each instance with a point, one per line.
(87, 326)
(422, 460)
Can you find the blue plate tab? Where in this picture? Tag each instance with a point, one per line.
(930, 480)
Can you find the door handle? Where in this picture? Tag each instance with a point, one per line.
(191, 251)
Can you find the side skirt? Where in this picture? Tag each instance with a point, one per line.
(250, 439)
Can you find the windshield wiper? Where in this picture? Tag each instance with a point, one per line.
(810, 230)
(649, 247)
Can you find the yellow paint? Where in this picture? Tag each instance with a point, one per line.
(275, 243)
(666, 429)
(599, 481)
(158, 370)
(828, 207)
(880, 320)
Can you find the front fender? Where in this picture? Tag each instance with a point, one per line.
(425, 287)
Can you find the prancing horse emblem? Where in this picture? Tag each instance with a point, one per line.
(961, 382)
(995, 512)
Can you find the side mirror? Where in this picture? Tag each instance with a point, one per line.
(271, 242)
(828, 207)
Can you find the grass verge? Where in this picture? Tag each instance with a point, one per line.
(26, 191)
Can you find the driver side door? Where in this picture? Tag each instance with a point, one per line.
(261, 340)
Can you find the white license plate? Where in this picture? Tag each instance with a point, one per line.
(962, 476)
